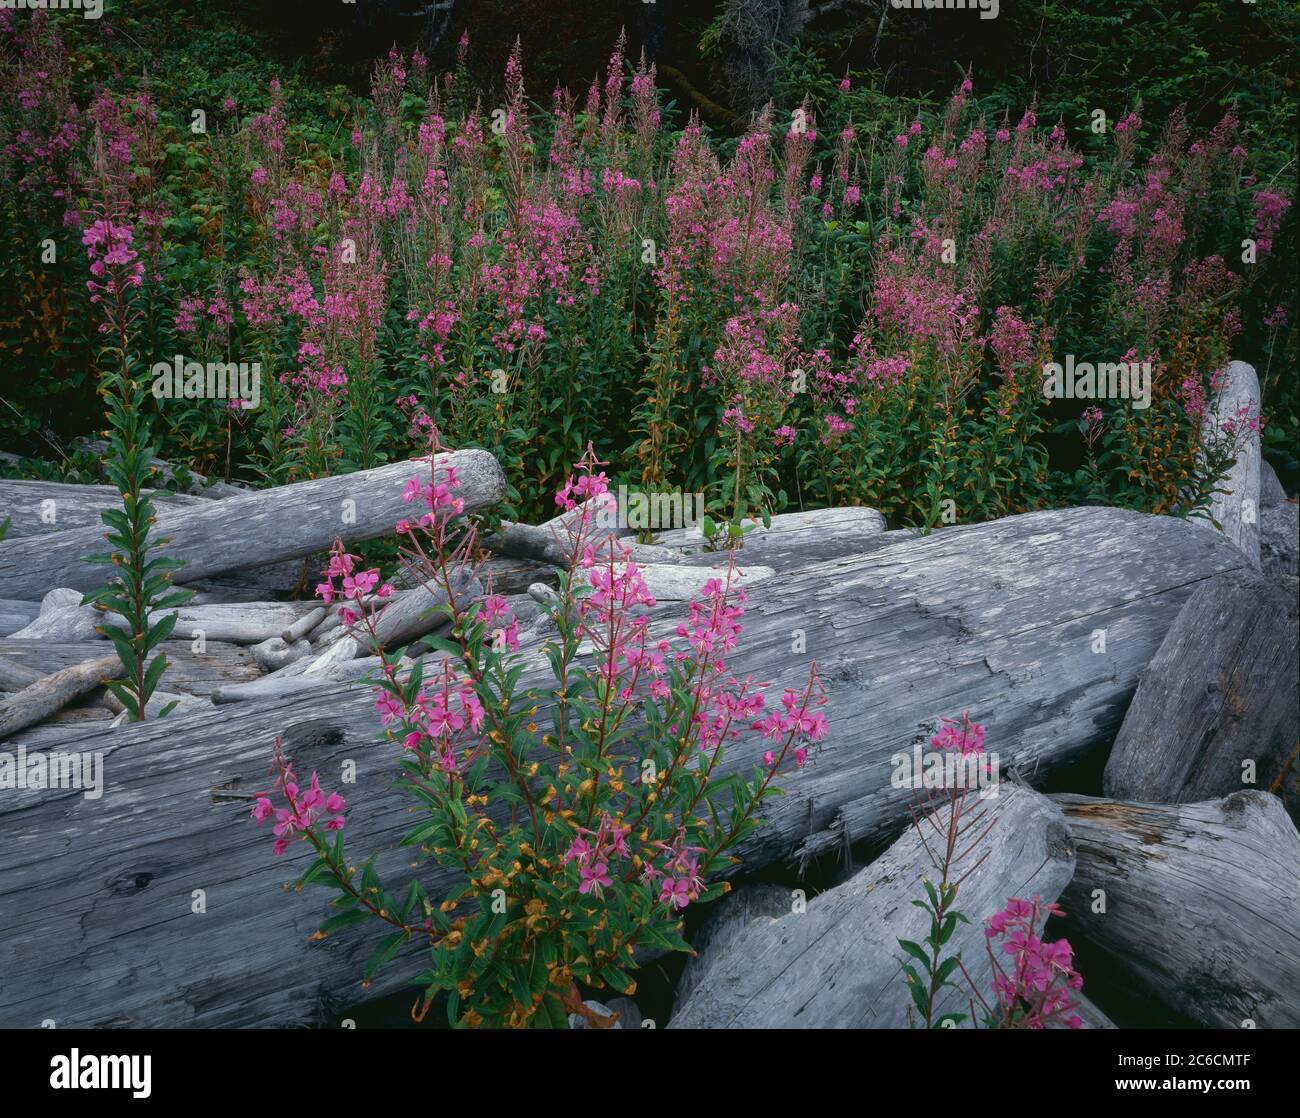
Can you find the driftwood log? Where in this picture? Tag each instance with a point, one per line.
(64, 618)
(416, 612)
(1271, 491)
(196, 673)
(51, 692)
(303, 626)
(1218, 708)
(1235, 504)
(997, 619)
(198, 485)
(1279, 543)
(261, 528)
(14, 675)
(38, 508)
(1201, 903)
(837, 964)
(552, 542)
(794, 539)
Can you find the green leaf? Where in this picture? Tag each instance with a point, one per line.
(345, 920)
(945, 969)
(914, 949)
(387, 948)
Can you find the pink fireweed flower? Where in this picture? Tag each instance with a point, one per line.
(594, 877)
(675, 893)
(389, 707)
(304, 810)
(1036, 990)
(959, 735)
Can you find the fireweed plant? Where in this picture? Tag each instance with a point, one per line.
(851, 303)
(140, 588)
(952, 825)
(572, 824)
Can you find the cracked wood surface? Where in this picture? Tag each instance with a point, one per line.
(1202, 903)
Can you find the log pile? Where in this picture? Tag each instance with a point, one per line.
(1042, 626)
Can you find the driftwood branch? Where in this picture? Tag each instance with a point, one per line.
(52, 692)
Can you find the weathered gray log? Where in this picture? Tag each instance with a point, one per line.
(195, 673)
(236, 623)
(552, 542)
(16, 615)
(45, 696)
(1271, 491)
(302, 677)
(667, 583)
(303, 626)
(837, 964)
(1279, 542)
(262, 528)
(996, 619)
(1218, 708)
(273, 654)
(413, 613)
(39, 508)
(62, 617)
(14, 675)
(794, 540)
(1235, 505)
(1202, 903)
(723, 926)
(199, 485)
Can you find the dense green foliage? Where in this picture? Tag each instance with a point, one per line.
(607, 273)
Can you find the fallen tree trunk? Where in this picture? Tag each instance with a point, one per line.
(1217, 709)
(50, 693)
(794, 539)
(196, 484)
(15, 615)
(196, 673)
(255, 530)
(39, 508)
(1201, 903)
(235, 623)
(996, 619)
(837, 964)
